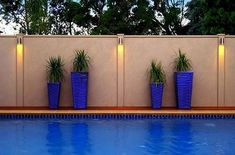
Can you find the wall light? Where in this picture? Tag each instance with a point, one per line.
(221, 52)
(221, 70)
(19, 45)
(120, 46)
(221, 46)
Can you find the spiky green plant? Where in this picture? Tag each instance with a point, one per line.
(55, 71)
(182, 62)
(81, 61)
(157, 74)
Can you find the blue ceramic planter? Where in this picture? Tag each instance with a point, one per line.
(79, 82)
(184, 86)
(156, 95)
(53, 95)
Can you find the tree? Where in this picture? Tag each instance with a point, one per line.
(29, 15)
(211, 17)
(63, 16)
(142, 19)
(125, 16)
(43, 16)
(93, 11)
(36, 12)
(138, 17)
(195, 14)
(57, 17)
(116, 19)
(170, 15)
(95, 16)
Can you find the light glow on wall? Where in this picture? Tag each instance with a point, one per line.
(19, 48)
(221, 50)
(221, 47)
(120, 48)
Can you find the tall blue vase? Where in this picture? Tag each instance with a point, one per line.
(79, 82)
(184, 86)
(53, 94)
(156, 95)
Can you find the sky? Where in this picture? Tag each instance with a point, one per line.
(7, 29)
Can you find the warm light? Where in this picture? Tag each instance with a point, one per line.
(19, 45)
(120, 48)
(19, 48)
(221, 50)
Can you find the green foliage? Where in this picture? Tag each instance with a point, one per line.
(157, 74)
(170, 15)
(211, 16)
(143, 19)
(116, 19)
(81, 61)
(182, 63)
(131, 17)
(135, 17)
(55, 71)
(57, 19)
(31, 16)
(195, 14)
(95, 16)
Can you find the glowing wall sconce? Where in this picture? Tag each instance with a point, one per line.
(221, 46)
(19, 49)
(221, 70)
(120, 46)
(120, 69)
(19, 46)
(19, 70)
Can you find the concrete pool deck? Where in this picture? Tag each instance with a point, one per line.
(91, 111)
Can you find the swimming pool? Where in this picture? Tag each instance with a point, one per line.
(146, 136)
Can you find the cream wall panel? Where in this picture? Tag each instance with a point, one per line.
(102, 75)
(8, 71)
(230, 71)
(139, 53)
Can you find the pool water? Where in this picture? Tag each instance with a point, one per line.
(117, 137)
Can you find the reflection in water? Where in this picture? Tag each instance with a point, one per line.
(155, 140)
(118, 137)
(169, 137)
(182, 140)
(54, 138)
(79, 138)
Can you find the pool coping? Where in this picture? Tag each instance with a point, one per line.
(175, 112)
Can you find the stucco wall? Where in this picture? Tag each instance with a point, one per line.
(230, 71)
(140, 52)
(109, 75)
(102, 85)
(8, 71)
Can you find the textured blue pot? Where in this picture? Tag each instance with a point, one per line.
(53, 95)
(156, 95)
(79, 82)
(184, 86)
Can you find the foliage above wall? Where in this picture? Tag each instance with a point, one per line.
(120, 16)
(211, 16)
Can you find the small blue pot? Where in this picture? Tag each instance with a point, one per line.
(184, 87)
(53, 95)
(79, 82)
(156, 95)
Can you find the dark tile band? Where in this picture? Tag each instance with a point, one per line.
(116, 116)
